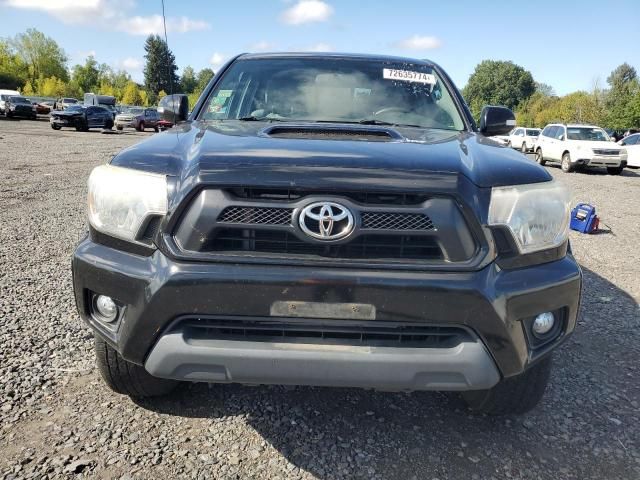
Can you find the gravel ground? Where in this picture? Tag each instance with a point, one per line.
(57, 419)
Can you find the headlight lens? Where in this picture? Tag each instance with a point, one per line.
(537, 214)
(120, 199)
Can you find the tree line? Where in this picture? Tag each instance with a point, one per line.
(37, 66)
(615, 106)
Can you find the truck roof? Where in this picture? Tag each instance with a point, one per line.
(337, 55)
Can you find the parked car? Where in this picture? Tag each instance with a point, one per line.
(16, 106)
(4, 96)
(524, 139)
(164, 125)
(138, 118)
(42, 108)
(579, 146)
(106, 101)
(632, 146)
(334, 220)
(82, 118)
(64, 103)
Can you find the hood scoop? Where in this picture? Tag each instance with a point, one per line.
(332, 132)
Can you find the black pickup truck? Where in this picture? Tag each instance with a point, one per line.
(334, 220)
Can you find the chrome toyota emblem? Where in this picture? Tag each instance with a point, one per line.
(326, 221)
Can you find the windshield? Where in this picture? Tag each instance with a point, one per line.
(587, 133)
(133, 110)
(69, 100)
(19, 100)
(333, 90)
(533, 133)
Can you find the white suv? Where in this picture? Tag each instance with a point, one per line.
(523, 139)
(579, 146)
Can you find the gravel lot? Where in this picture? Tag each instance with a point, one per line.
(57, 419)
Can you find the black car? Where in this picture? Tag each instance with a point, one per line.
(333, 220)
(19, 107)
(81, 118)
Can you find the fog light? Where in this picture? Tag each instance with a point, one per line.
(543, 324)
(106, 307)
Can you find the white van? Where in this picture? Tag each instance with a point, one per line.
(4, 95)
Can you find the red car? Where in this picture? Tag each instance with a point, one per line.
(164, 125)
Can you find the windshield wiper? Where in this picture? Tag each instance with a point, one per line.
(375, 121)
(253, 118)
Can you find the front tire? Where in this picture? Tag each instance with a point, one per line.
(55, 127)
(128, 378)
(141, 127)
(614, 170)
(565, 165)
(523, 149)
(514, 395)
(539, 157)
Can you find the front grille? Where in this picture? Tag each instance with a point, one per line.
(606, 151)
(323, 332)
(256, 215)
(396, 221)
(367, 198)
(364, 246)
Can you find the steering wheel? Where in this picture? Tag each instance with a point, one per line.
(391, 109)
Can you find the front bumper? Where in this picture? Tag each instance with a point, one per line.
(492, 303)
(602, 161)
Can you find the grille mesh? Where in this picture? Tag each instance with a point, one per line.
(396, 221)
(256, 215)
(606, 151)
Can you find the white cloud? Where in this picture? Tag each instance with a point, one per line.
(109, 14)
(131, 64)
(152, 24)
(419, 42)
(319, 47)
(217, 59)
(307, 11)
(262, 46)
(86, 53)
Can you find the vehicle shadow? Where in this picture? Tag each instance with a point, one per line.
(350, 433)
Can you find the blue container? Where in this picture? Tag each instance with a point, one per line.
(584, 218)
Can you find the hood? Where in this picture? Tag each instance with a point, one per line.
(596, 144)
(67, 113)
(294, 155)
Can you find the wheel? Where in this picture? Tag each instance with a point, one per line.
(517, 394)
(119, 127)
(128, 378)
(141, 127)
(108, 124)
(55, 127)
(523, 149)
(614, 170)
(509, 143)
(565, 165)
(156, 129)
(539, 158)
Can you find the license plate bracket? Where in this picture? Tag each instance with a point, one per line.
(343, 311)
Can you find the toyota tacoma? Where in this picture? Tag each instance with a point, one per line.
(330, 220)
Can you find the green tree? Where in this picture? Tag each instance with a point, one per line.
(42, 55)
(545, 89)
(86, 76)
(188, 81)
(160, 69)
(131, 95)
(498, 83)
(13, 71)
(620, 99)
(203, 78)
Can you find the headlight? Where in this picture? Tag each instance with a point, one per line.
(537, 214)
(121, 199)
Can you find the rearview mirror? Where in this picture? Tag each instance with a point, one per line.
(496, 121)
(174, 108)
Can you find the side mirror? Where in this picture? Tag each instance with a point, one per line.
(496, 121)
(561, 138)
(174, 108)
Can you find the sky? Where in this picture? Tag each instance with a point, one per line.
(570, 45)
